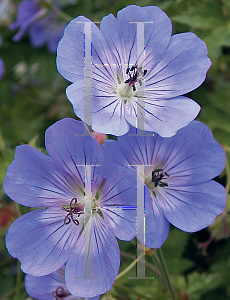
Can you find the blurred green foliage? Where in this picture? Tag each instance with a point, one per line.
(32, 97)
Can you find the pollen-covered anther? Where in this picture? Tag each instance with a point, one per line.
(125, 90)
(74, 211)
(157, 176)
(136, 74)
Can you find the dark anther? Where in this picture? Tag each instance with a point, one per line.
(60, 293)
(157, 176)
(74, 211)
(134, 76)
(133, 68)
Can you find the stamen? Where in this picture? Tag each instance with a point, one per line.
(74, 211)
(157, 176)
(134, 75)
(60, 293)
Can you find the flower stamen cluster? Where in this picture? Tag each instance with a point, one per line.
(60, 293)
(73, 209)
(135, 75)
(157, 176)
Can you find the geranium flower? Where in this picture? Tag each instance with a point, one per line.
(41, 23)
(50, 287)
(176, 178)
(138, 75)
(84, 210)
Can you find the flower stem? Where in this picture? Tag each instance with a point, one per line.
(165, 273)
(147, 264)
(61, 14)
(18, 283)
(130, 266)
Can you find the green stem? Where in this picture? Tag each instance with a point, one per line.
(147, 264)
(18, 283)
(61, 14)
(157, 263)
(130, 266)
(165, 273)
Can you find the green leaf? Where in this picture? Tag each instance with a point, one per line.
(173, 250)
(204, 17)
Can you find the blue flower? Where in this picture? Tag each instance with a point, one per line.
(50, 287)
(1, 62)
(176, 178)
(84, 210)
(138, 71)
(42, 25)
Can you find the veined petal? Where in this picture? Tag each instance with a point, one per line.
(119, 188)
(94, 261)
(71, 51)
(163, 116)
(156, 228)
(107, 111)
(45, 287)
(181, 69)
(122, 220)
(121, 34)
(112, 152)
(194, 207)
(42, 287)
(192, 156)
(76, 149)
(41, 240)
(35, 180)
(118, 201)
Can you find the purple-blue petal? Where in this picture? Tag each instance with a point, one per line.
(70, 144)
(94, 261)
(155, 230)
(1, 68)
(37, 33)
(191, 156)
(178, 112)
(118, 201)
(120, 33)
(41, 240)
(44, 287)
(107, 116)
(193, 207)
(35, 180)
(70, 52)
(182, 68)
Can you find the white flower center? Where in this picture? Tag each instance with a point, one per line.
(125, 92)
(127, 83)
